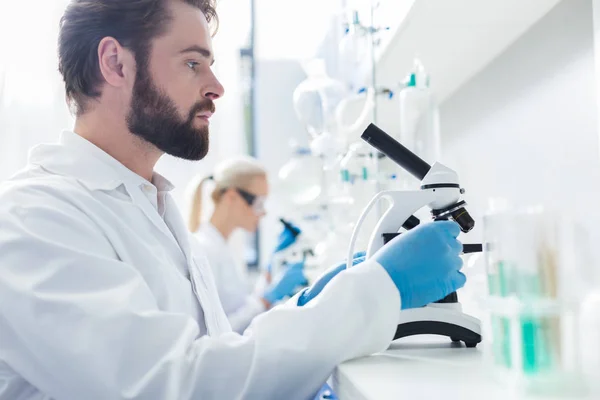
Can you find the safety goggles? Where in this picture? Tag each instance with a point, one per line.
(257, 203)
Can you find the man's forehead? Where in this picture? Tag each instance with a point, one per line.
(188, 26)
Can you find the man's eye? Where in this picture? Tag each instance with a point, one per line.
(192, 64)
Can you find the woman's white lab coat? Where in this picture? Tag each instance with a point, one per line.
(240, 303)
(103, 295)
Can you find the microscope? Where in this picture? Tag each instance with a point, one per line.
(300, 250)
(441, 192)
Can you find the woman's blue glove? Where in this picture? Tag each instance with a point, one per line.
(285, 284)
(287, 237)
(324, 279)
(424, 263)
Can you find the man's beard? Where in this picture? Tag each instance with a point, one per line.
(153, 117)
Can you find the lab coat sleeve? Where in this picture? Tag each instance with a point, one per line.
(355, 315)
(77, 323)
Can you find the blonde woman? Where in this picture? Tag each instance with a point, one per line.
(239, 194)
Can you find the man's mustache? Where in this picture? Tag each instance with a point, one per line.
(205, 105)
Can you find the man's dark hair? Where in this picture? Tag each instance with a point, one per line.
(134, 23)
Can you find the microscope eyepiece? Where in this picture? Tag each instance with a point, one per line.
(395, 151)
(295, 232)
(418, 168)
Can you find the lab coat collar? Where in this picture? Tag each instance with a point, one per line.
(77, 157)
(94, 168)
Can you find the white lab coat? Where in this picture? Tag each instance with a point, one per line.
(240, 304)
(104, 296)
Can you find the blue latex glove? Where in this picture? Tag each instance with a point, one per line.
(287, 237)
(324, 279)
(285, 284)
(424, 263)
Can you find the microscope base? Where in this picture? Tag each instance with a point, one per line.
(444, 321)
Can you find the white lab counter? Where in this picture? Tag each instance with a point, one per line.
(421, 367)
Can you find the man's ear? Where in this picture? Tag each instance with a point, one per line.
(117, 64)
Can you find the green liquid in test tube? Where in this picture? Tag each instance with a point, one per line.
(498, 283)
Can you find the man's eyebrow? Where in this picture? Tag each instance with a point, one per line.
(201, 50)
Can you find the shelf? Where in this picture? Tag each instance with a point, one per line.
(454, 39)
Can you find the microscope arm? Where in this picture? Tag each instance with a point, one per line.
(403, 205)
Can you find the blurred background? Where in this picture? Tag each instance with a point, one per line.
(509, 92)
(513, 85)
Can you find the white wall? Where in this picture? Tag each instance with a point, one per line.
(32, 101)
(525, 128)
(276, 125)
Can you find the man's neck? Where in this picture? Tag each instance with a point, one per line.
(114, 138)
